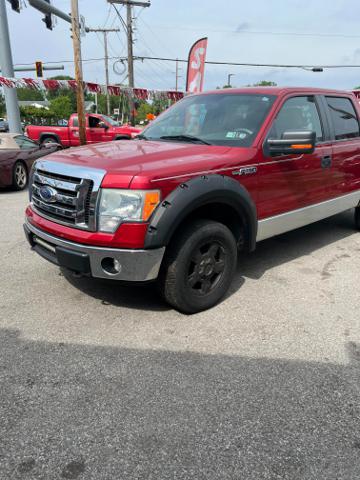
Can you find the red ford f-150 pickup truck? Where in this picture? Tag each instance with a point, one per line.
(212, 176)
(99, 128)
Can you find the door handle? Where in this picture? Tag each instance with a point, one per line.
(326, 161)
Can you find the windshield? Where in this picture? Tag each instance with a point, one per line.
(110, 120)
(218, 119)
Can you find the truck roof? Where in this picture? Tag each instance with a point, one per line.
(277, 90)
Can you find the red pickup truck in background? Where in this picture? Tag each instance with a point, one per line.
(213, 175)
(99, 128)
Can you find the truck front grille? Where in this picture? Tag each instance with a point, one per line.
(71, 198)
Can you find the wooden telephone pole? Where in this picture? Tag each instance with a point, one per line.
(78, 70)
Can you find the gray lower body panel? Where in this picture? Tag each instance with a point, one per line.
(269, 227)
(134, 265)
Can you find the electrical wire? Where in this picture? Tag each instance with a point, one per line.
(273, 65)
(263, 32)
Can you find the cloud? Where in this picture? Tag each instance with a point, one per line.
(242, 27)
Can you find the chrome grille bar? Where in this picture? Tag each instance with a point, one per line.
(72, 187)
(75, 201)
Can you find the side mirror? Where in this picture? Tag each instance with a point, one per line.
(292, 143)
(103, 125)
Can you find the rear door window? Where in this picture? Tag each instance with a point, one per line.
(344, 118)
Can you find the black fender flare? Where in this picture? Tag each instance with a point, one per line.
(50, 134)
(196, 193)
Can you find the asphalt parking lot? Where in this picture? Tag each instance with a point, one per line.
(105, 382)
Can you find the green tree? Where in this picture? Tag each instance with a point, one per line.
(2, 105)
(63, 92)
(28, 94)
(143, 109)
(264, 83)
(61, 107)
(34, 115)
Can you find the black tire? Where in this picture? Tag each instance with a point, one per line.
(199, 266)
(46, 140)
(20, 176)
(125, 137)
(357, 218)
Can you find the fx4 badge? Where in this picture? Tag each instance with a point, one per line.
(245, 171)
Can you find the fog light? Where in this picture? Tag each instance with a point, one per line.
(111, 265)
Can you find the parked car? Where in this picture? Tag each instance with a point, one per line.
(17, 155)
(99, 128)
(212, 176)
(4, 126)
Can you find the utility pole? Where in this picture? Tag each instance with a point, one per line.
(129, 30)
(229, 78)
(78, 70)
(177, 76)
(105, 31)
(7, 68)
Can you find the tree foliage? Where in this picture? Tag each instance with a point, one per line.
(61, 107)
(2, 105)
(28, 94)
(264, 83)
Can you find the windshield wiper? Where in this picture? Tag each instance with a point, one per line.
(141, 136)
(185, 138)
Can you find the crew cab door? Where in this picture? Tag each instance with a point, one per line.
(291, 182)
(97, 130)
(345, 133)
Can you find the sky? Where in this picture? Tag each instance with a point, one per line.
(315, 32)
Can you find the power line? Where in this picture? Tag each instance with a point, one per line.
(263, 32)
(209, 62)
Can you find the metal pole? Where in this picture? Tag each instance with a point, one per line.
(29, 68)
(130, 60)
(130, 45)
(6, 63)
(107, 74)
(177, 75)
(78, 71)
(105, 31)
(47, 8)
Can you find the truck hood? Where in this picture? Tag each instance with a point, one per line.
(124, 160)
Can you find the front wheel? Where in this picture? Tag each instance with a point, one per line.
(20, 176)
(199, 266)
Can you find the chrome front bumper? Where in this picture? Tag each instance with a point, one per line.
(131, 265)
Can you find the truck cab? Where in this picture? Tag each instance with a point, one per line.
(213, 175)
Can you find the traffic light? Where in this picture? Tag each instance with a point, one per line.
(15, 5)
(48, 19)
(39, 69)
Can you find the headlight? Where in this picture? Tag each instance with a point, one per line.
(117, 206)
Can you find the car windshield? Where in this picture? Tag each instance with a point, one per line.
(218, 119)
(110, 120)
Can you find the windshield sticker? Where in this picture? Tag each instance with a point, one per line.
(240, 135)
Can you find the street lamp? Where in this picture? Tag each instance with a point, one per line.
(229, 77)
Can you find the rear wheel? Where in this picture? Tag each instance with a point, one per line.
(20, 176)
(199, 266)
(357, 217)
(47, 140)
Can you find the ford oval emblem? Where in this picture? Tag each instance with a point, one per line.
(48, 194)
